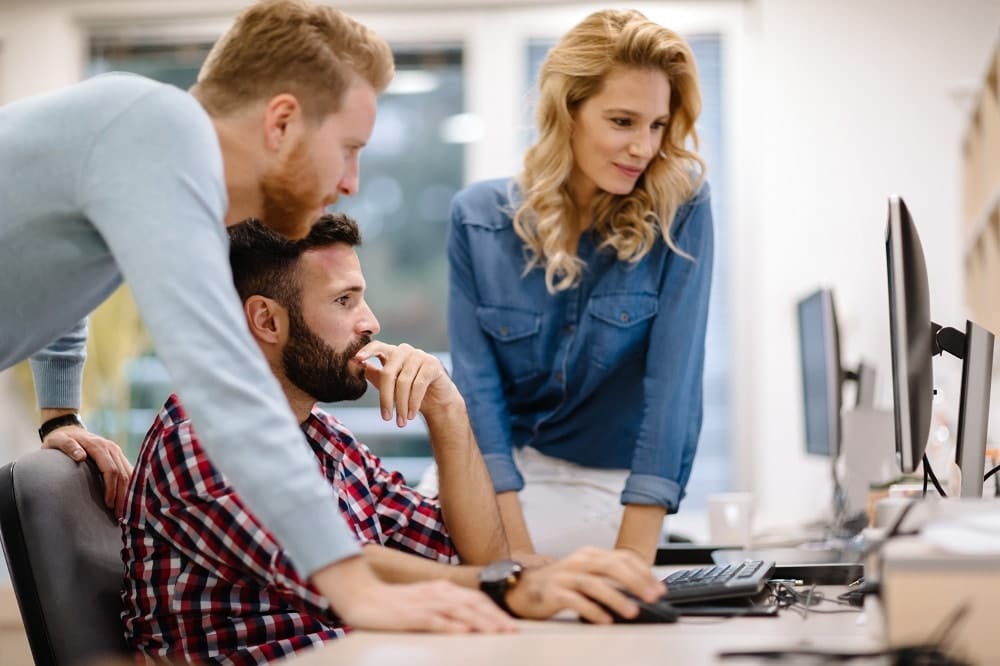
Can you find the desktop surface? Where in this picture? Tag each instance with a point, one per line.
(565, 640)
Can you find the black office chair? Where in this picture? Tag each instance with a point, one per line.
(63, 549)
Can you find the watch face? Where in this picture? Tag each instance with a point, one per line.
(500, 571)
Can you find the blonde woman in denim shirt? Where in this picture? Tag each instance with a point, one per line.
(579, 296)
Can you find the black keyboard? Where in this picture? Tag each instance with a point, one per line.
(740, 579)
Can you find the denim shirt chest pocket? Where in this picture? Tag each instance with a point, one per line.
(515, 337)
(620, 324)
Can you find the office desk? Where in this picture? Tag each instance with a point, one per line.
(691, 641)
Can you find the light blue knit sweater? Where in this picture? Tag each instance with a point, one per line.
(122, 177)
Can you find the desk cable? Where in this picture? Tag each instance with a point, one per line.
(929, 473)
(996, 483)
(803, 601)
(859, 589)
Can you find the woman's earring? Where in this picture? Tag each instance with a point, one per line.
(663, 155)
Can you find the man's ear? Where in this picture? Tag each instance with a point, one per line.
(267, 319)
(283, 122)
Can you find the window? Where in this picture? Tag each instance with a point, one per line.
(412, 166)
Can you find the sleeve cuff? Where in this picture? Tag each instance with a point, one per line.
(655, 490)
(315, 537)
(504, 472)
(58, 381)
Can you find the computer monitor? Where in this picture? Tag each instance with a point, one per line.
(914, 339)
(910, 336)
(819, 347)
(823, 377)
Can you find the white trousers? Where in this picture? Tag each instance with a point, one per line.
(566, 506)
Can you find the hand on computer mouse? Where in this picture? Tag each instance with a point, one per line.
(656, 612)
(589, 582)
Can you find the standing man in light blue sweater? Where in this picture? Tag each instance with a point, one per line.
(120, 177)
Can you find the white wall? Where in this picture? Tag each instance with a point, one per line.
(43, 48)
(17, 423)
(856, 100)
(833, 105)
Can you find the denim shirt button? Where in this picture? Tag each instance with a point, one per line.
(504, 331)
(570, 328)
(559, 377)
(624, 316)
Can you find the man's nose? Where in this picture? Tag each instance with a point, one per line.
(348, 185)
(368, 325)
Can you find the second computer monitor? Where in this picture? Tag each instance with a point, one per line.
(819, 347)
(910, 335)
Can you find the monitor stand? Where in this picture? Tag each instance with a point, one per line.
(975, 348)
(867, 456)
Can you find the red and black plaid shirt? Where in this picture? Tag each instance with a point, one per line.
(205, 582)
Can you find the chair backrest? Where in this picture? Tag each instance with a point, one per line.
(63, 549)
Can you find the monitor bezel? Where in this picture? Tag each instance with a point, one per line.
(899, 337)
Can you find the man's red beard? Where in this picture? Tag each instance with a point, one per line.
(292, 194)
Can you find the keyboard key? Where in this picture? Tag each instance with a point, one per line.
(702, 573)
(677, 576)
(717, 582)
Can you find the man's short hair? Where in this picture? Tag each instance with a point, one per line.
(265, 263)
(309, 50)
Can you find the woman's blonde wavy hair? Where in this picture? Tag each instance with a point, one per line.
(573, 71)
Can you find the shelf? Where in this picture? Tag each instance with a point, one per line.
(980, 234)
(982, 220)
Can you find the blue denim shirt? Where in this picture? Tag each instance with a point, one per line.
(607, 374)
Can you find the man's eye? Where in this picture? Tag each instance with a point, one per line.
(343, 300)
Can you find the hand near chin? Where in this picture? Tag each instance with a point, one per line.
(410, 381)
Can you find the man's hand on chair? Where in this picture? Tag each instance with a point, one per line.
(78, 443)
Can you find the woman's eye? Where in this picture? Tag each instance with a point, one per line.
(622, 122)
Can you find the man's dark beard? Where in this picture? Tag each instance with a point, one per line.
(317, 368)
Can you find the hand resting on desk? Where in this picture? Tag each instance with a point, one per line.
(589, 582)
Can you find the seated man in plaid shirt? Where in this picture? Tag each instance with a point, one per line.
(206, 582)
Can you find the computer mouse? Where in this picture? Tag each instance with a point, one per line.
(657, 612)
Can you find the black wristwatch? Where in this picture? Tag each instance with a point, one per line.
(498, 578)
(59, 422)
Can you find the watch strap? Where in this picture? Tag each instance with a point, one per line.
(496, 589)
(57, 422)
